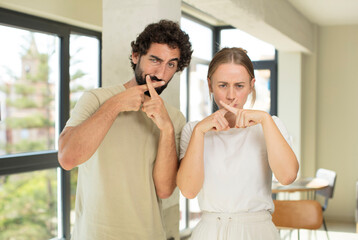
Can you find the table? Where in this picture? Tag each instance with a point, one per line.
(300, 185)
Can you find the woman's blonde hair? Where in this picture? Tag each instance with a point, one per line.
(236, 56)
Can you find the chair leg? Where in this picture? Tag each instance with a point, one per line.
(325, 228)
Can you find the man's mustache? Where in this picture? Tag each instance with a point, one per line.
(154, 78)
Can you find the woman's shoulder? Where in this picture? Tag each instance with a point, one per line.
(277, 120)
(190, 125)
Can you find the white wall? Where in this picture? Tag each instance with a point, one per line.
(337, 114)
(289, 96)
(82, 13)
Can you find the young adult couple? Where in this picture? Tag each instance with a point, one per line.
(125, 141)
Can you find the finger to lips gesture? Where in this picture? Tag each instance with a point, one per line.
(245, 117)
(154, 107)
(132, 98)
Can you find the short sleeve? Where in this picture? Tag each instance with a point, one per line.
(85, 107)
(185, 137)
(283, 130)
(179, 124)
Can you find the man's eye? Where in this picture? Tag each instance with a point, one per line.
(154, 60)
(240, 86)
(222, 85)
(171, 65)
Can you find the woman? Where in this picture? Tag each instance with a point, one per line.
(228, 158)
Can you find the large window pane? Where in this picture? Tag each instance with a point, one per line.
(263, 92)
(199, 99)
(84, 65)
(201, 38)
(256, 49)
(28, 88)
(28, 206)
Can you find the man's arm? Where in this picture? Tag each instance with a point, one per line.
(166, 163)
(77, 144)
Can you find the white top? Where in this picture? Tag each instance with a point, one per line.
(237, 176)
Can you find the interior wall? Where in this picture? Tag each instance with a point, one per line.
(289, 96)
(337, 114)
(308, 164)
(82, 13)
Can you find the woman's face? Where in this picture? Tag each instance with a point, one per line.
(231, 81)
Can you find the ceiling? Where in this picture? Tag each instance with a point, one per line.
(328, 12)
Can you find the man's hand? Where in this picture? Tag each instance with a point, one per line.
(132, 98)
(154, 107)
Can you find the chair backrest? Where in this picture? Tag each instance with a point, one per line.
(329, 176)
(298, 214)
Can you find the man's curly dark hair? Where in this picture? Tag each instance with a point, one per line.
(167, 32)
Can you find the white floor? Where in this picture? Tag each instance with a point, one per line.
(336, 231)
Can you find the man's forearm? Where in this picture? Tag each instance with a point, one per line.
(166, 164)
(78, 144)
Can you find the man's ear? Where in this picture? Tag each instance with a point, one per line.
(209, 85)
(135, 57)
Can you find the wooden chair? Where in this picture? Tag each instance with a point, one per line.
(297, 214)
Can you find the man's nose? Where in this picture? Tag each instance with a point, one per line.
(160, 72)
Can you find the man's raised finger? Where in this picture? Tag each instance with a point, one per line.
(155, 84)
(151, 89)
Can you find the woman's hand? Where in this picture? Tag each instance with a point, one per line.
(216, 121)
(245, 117)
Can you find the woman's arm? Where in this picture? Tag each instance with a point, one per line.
(190, 177)
(282, 159)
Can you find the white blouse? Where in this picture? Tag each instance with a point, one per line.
(237, 176)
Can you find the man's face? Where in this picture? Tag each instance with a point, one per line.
(160, 63)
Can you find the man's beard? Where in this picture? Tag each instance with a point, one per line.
(140, 79)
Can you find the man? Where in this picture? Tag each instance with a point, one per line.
(124, 140)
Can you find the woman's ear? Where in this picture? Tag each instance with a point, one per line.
(252, 83)
(209, 85)
(135, 57)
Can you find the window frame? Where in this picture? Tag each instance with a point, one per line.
(27, 162)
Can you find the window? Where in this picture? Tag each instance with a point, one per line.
(44, 68)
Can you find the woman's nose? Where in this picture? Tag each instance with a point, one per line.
(230, 93)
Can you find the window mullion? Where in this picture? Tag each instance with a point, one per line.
(64, 187)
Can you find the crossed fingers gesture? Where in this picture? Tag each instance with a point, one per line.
(245, 117)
